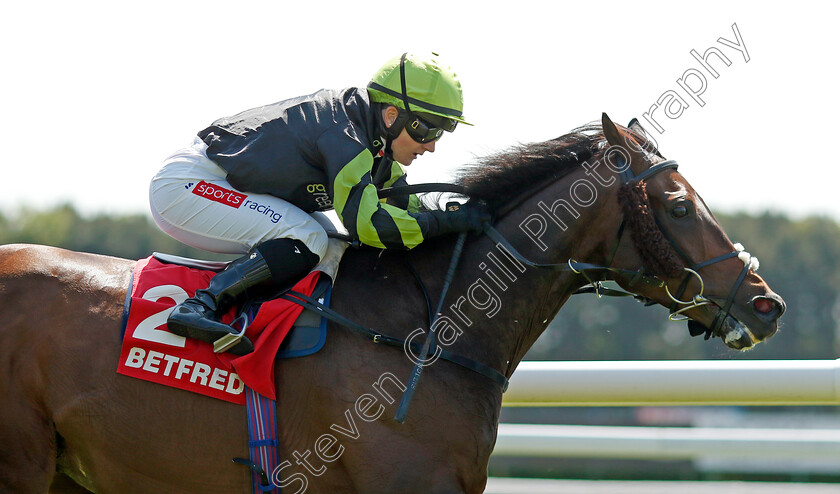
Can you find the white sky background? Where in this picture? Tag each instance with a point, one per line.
(95, 95)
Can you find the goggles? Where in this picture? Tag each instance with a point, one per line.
(423, 131)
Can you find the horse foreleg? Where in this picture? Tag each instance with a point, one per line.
(27, 448)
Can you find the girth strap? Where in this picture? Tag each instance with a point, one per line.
(262, 441)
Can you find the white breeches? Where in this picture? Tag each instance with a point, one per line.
(192, 201)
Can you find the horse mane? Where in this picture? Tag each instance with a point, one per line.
(499, 178)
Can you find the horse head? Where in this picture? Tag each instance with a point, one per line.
(604, 195)
(706, 278)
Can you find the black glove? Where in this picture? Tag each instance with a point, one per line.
(457, 218)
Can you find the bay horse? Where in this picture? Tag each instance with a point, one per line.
(602, 196)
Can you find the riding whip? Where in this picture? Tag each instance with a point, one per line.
(402, 410)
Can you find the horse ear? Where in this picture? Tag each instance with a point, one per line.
(636, 127)
(623, 139)
(610, 131)
(649, 144)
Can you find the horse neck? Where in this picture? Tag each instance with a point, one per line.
(501, 306)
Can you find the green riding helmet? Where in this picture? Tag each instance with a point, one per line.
(419, 85)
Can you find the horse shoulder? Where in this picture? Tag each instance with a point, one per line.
(55, 303)
(59, 306)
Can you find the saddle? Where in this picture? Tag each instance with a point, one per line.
(309, 331)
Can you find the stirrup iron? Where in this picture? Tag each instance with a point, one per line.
(229, 341)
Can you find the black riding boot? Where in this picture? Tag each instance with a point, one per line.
(279, 261)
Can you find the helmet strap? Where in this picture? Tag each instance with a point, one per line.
(403, 116)
(389, 132)
(387, 158)
(402, 83)
(397, 126)
(387, 149)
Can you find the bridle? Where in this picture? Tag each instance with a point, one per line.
(678, 307)
(692, 269)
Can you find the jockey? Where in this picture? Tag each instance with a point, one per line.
(248, 183)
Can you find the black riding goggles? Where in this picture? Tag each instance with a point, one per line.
(428, 128)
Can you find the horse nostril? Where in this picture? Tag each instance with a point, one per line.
(769, 307)
(764, 305)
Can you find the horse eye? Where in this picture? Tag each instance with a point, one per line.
(679, 211)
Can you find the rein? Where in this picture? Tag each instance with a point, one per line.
(579, 268)
(402, 190)
(312, 304)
